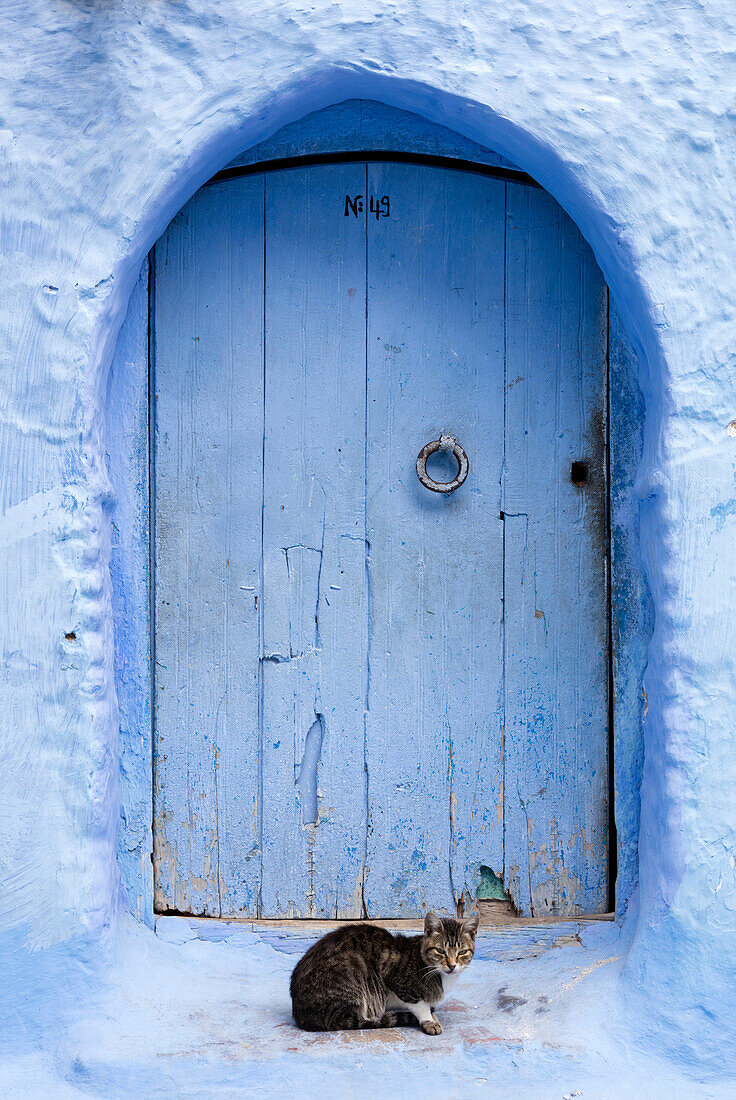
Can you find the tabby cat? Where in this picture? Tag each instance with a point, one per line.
(360, 975)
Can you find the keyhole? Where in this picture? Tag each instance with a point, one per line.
(579, 474)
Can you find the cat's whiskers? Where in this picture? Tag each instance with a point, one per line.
(432, 970)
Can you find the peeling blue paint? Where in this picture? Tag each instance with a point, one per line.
(307, 779)
(722, 511)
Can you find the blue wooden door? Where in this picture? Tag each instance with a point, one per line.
(366, 691)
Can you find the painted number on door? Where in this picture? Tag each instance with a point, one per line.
(380, 207)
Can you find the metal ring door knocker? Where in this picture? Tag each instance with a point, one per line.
(448, 445)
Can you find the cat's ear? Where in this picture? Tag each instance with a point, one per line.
(470, 925)
(432, 924)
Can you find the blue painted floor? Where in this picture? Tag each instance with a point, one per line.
(537, 1015)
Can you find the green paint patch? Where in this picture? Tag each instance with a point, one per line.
(490, 886)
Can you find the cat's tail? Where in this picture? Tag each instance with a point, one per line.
(346, 1018)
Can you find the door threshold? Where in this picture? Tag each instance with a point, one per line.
(498, 917)
(506, 941)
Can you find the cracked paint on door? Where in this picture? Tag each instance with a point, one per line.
(367, 694)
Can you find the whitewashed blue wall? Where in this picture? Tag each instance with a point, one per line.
(111, 115)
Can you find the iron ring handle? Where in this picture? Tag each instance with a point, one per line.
(444, 443)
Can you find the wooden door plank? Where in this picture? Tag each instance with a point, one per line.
(435, 363)
(315, 604)
(208, 411)
(556, 636)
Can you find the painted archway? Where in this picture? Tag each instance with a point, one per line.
(354, 129)
(634, 618)
(661, 868)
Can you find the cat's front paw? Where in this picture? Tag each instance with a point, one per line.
(431, 1027)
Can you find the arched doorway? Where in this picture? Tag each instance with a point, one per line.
(368, 694)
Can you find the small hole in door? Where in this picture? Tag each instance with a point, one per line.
(579, 474)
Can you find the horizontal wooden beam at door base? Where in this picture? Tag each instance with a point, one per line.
(399, 924)
(511, 175)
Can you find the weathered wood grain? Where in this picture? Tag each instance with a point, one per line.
(208, 418)
(435, 363)
(556, 626)
(315, 598)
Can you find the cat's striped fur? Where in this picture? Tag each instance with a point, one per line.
(362, 976)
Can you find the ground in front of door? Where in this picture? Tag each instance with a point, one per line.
(202, 1009)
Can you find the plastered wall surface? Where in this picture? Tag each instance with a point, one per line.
(111, 115)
